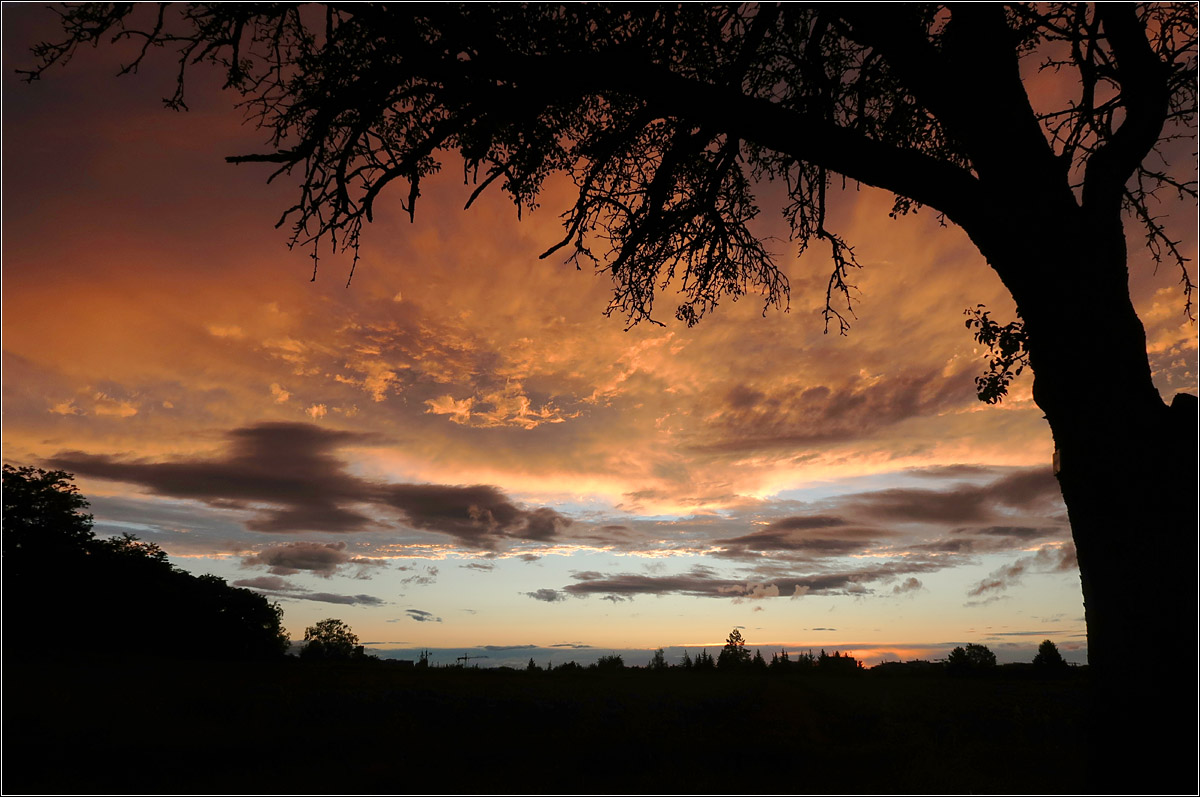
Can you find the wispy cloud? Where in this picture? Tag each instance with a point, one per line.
(422, 616)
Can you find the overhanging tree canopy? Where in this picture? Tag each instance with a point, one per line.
(665, 116)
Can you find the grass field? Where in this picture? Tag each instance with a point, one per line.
(287, 727)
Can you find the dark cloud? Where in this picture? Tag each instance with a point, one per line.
(1018, 532)
(947, 546)
(508, 647)
(421, 579)
(572, 645)
(289, 466)
(479, 516)
(485, 567)
(609, 533)
(997, 510)
(422, 616)
(819, 535)
(698, 582)
(1047, 559)
(705, 582)
(289, 477)
(322, 559)
(273, 583)
(951, 471)
(795, 416)
(282, 588)
(804, 523)
(529, 557)
(348, 600)
(1027, 490)
(587, 575)
(965, 504)
(910, 584)
(547, 595)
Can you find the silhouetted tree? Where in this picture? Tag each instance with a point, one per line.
(664, 116)
(704, 661)
(43, 517)
(686, 661)
(234, 622)
(836, 662)
(973, 659)
(613, 661)
(734, 655)
(329, 639)
(1048, 660)
(659, 660)
(123, 596)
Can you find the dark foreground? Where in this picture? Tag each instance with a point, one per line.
(291, 726)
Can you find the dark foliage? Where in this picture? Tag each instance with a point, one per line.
(44, 517)
(114, 597)
(734, 655)
(331, 639)
(1048, 660)
(972, 660)
(837, 663)
(665, 116)
(1007, 349)
(588, 732)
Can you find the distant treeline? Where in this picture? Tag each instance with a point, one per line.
(122, 597)
(969, 661)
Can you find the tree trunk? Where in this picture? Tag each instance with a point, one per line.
(1126, 462)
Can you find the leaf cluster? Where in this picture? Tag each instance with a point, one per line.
(1008, 355)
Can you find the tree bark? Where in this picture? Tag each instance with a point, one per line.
(1127, 465)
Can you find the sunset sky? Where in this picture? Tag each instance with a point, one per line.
(459, 450)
